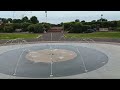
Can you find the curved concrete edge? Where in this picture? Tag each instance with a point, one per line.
(110, 71)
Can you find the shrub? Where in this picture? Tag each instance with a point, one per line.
(24, 26)
(75, 27)
(66, 26)
(36, 28)
(85, 28)
(16, 26)
(46, 26)
(1, 28)
(8, 29)
(117, 29)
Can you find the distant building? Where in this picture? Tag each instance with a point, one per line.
(103, 29)
(9, 22)
(18, 30)
(56, 29)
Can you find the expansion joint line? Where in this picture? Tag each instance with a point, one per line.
(51, 62)
(82, 59)
(18, 62)
(51, 36)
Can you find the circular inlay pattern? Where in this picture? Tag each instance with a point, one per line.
(34, 61)
(54, 55)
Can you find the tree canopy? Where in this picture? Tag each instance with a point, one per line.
(34, 20)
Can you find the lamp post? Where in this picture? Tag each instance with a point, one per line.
(101, 19)
(13, 14)
(46, 21)
(46, 16)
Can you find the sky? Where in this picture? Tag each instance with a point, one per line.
(57, 17)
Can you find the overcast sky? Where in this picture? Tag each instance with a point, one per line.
(63, 16)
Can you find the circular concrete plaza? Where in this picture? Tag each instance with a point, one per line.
(60, 60)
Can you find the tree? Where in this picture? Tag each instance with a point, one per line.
(61, 23)
(73, 27)
(25, 19)
(30, 28)
(9, 20)
(24, 26)
(102, 20)
(93, 21)
(93, 26)
(36, 28)
(77, 20)
(114, 23)
(77, 27)
(34, 20)
(67, 26)
(83, 21)
(4, 20)
(117, 29)
(8, 28)
(17, 21)
(16, 26)
(1, 28)
(46, 26)
(118, 23)
(85, 28)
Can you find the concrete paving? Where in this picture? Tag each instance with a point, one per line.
(109, 71)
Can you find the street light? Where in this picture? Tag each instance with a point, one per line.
(46, 21)
(101, 17)
(13, 14)
(46, 16)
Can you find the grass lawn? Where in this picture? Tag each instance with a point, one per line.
(94, 35)
(17, 35)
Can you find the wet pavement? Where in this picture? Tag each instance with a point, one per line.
(14, 62)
